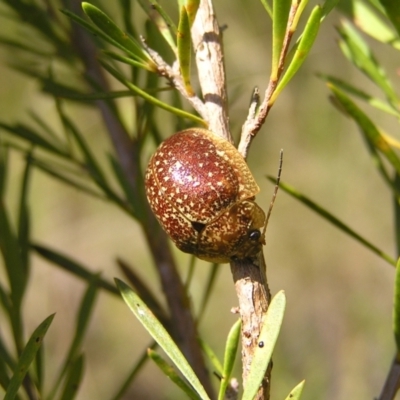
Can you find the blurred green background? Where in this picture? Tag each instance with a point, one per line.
(337, 331)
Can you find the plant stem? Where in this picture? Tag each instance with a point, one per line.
(250, 280)
(127, 150)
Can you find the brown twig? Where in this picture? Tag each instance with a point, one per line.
(127, 150)
(251, 288)
(252, 125)
(175, 79)
(392, 383)
(207, 44)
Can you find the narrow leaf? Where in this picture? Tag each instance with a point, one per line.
(369, 22)
(211, 357)
(23, 217)
(328, 6)
(144, 292)
(295, 393)
(208, 289)
(160, 335)
(156, 6)
(13, 263)
(332, 219)
(372, 101)
(26, 133)
(184, 49)
(396, 307)
(72, 358)
(303, 48)
(73, 267)
(74, 379)
(191, 8)
(393, 12)
(267, 7)
(122, 39)
(151, 99)
(3, 168)
(137, 367)
(231, 347)
(367, 127)
(27, 356)
(356, 49)
(396, 201)
(280, 15)
(268, 336)
(170, 372)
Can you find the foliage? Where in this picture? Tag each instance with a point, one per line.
(54, 47)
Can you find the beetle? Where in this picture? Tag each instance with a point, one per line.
(203, 194)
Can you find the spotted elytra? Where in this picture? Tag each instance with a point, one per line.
(202, 193)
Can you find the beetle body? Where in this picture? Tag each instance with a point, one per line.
(202, 193)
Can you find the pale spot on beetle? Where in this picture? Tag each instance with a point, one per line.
(195, 184)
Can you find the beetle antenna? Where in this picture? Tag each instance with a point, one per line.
(278, 178)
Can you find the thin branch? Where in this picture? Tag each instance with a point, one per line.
(251, 127)
(175, 79)
(392, 383)
(249, 275)
(128, 152)
(207, 43)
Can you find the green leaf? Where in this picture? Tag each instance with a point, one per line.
(26, 133)
(73, 267)
(61, 175)
(156, 6)
(151, 99)
(191, 8)
(335, 221)
(74, 379)
(303, 48)
(396, 201)
(170, 372)
(396, 307)
(211, 357)
(23, 217)
(91, 163)
(393, 12)
(280, 14)
(137, 367)
(358, 52)
(3, 168)
(26, 358)
(144, 292)
(328, 6)
(126, 60)
(369, 22)
(231, 347)
(367, 127)
(267, 7)
(208, 289)
(266, 343)
(295, 393)
(184, 49)
(117, 37)
(73, 355)
(372, 101)
(160, 335)
(10, 250)
(135, 202)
